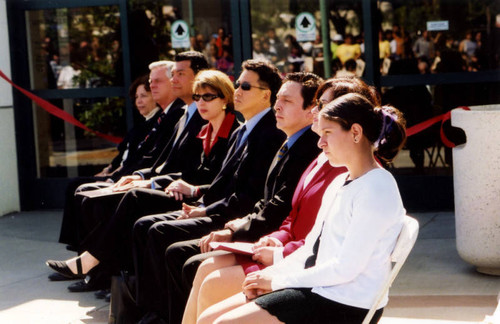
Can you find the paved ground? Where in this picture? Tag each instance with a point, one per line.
(434, 286)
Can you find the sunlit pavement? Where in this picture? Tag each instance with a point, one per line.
(434, 287)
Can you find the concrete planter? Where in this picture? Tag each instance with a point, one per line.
(476, 173)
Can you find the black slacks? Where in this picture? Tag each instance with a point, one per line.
(72, 227)
(152, 236)
(111, 239)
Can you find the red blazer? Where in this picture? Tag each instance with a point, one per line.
(305, 206)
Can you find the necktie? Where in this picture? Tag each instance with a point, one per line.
(153, 131)
(182, 125)
(240, 135)
(281, 153)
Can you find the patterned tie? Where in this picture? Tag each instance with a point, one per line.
(153, 131)
(281, 153)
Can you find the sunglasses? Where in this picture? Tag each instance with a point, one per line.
(207, 97)
(245, 86)
(320, 104)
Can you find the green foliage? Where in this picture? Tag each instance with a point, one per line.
(105, 116)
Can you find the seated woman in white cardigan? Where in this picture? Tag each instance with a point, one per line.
(335, 276)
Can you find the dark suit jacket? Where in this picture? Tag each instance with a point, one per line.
(131, 141)
(270, 211)
(156, 140)
(240, 183)
(211, 164)
(183, 156)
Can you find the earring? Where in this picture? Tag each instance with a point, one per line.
(224, 107)
(355, 140)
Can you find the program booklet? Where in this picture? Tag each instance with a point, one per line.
(235, 247)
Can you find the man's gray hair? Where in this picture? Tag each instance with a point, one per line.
(167, 64)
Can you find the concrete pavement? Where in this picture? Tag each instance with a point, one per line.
(434, 286)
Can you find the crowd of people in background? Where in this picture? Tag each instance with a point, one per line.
(428, 52)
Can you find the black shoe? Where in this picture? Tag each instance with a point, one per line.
(95, 280)
(62, 268)
(86, 285)
(108, 297)
(56, 276)
(101, 294)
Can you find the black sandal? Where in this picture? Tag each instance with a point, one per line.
(62, 268)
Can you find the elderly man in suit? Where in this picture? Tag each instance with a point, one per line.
(73, 226)
(181, 154)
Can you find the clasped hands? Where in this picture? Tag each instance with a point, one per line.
(256, 284)
(180, 189)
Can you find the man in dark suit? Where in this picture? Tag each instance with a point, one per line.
(73, 226)
(181, 154)
(233, 192)
(294, 117)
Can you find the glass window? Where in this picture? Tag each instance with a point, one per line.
(208, 21)
(65, 150)
(280, 33)
(75, 47)
(420, 37)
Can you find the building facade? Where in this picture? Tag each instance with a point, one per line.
(426, 57)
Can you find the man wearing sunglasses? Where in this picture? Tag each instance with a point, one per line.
(294, 117)
(233, 192)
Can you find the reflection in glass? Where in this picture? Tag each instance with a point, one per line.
(275, 35)
(439, 36)
(65, 150)
(75, 47)
(150, 31)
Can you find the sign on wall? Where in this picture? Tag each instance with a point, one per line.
(305, 27)
(179, 33)
(437, 25)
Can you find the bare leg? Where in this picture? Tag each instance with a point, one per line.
(219, 285)
(205, 268)
(214, 311)
(247, 314)
(88, 262)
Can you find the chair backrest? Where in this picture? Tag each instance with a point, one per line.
(404, 244)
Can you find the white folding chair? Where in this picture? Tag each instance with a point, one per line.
(406, 240)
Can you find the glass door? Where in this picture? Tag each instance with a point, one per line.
(72, 55)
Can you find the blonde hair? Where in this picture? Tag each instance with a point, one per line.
(217, 81)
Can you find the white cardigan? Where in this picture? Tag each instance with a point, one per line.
(362, 221)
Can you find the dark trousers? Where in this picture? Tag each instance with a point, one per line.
(152, 236)
(72, 227)
(111, 240)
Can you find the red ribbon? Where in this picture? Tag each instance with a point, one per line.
(428, 123)
(58, 112)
